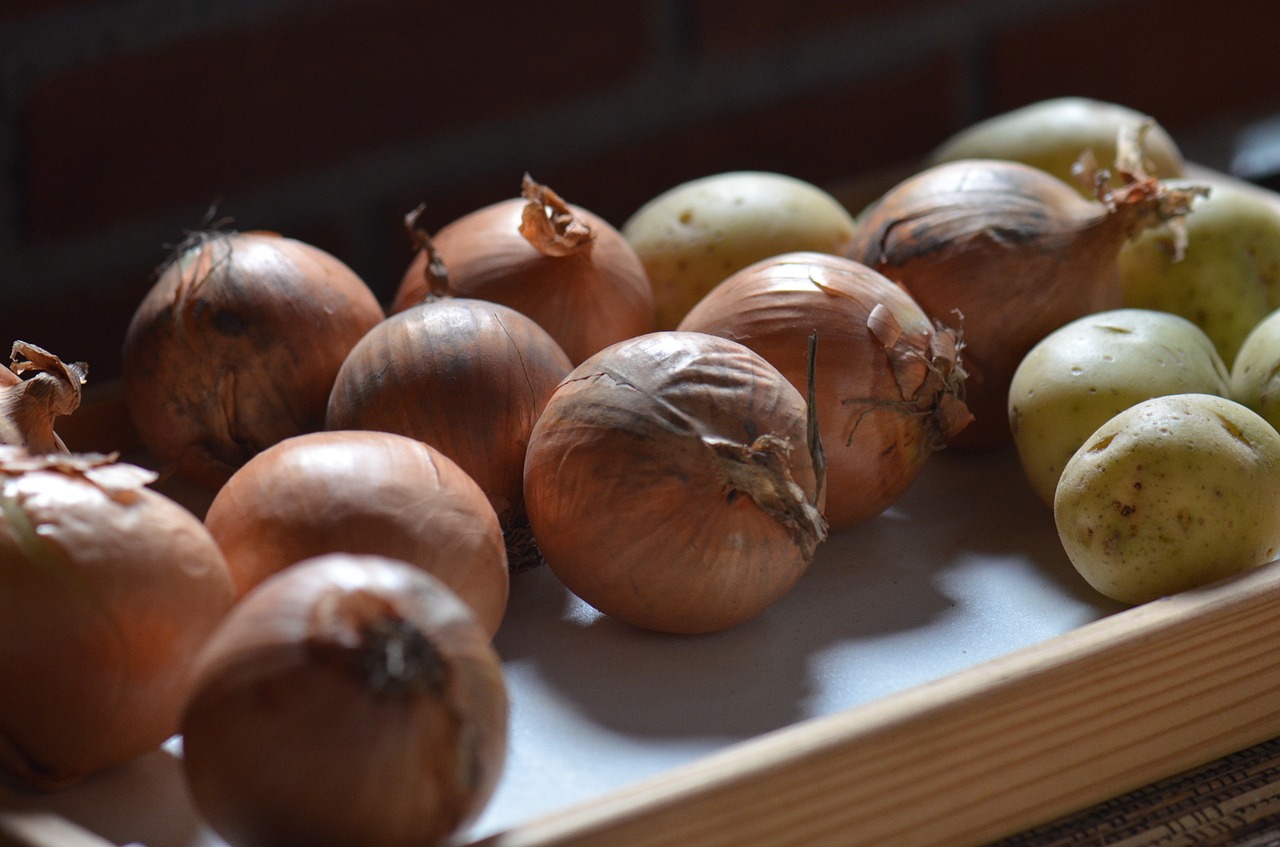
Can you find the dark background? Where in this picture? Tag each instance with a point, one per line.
(123, 122)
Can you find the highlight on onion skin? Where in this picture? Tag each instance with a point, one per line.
(236, 347)
(345, 700)
(469, 377)
(359, 492)
(671, 485)
(35, 390)
(107, 591)
(1006, 253)
(565, 267)
(889, 382)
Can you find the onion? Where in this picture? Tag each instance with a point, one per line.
(888, 382)
(469, 377)
(33, 393)
(368, 493)
(568, 269)
(236, 346)
(345, 700)
(668, 483)
(107, 591)
(1009, 253)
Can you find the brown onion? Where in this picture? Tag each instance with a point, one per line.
(568, 269)
(671, 483)
(366, 493)
(1008, 253)
(107, 591)
(469, 377)
(236, 346)
(888, 381)
(345, 700)
(38, 388)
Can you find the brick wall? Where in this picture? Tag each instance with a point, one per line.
(123, 122)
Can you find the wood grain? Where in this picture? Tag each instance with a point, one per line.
(984, 753)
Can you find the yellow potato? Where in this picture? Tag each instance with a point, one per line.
(1171, 494)
(1077, 377)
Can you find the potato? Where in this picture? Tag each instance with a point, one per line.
(1079, 376)
(1229, 278)
(1255, 374)
(1170, 494)
(692, 236)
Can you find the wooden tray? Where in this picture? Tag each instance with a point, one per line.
(973, 756)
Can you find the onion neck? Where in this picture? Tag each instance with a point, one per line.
(365, 634)
(760, 471)
(28, 407)
(550, 225)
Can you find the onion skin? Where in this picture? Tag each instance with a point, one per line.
(107, 591)
(236, 347)
(1007, 253)
(565, 267)
(470, 378)
(668, 483)
(29, 406)
(371, 493)
(346, 700)
(888, 381)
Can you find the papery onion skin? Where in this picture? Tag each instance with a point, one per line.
(637, 488)
(470, 378)
(888, 381)
(362, 493)
(37, 388)
(587, 291)
(107, 591)
(346, 700)
(236, 347)
(1006, 253)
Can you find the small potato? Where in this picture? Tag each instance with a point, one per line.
(692, 236)
(1170, 494)
(1079, 376)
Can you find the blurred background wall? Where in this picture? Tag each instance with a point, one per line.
(126, 123)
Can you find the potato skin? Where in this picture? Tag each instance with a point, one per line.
(1171, 494)
(1079, 376)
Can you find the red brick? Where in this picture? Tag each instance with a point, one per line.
(198, 119)
(825, 135)
(724, 25)
(14, 9)
(1178, 60)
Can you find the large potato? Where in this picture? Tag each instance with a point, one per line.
(1170, 494)
(1079, 376)
(692, 236)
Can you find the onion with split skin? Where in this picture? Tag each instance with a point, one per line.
(236, 347)
(345, 700)
(673, 482)
(36, 389)
(107, 591)
(565, 267)
(469, 377)
(372, 493)
(1008, 253)
(889, 382)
